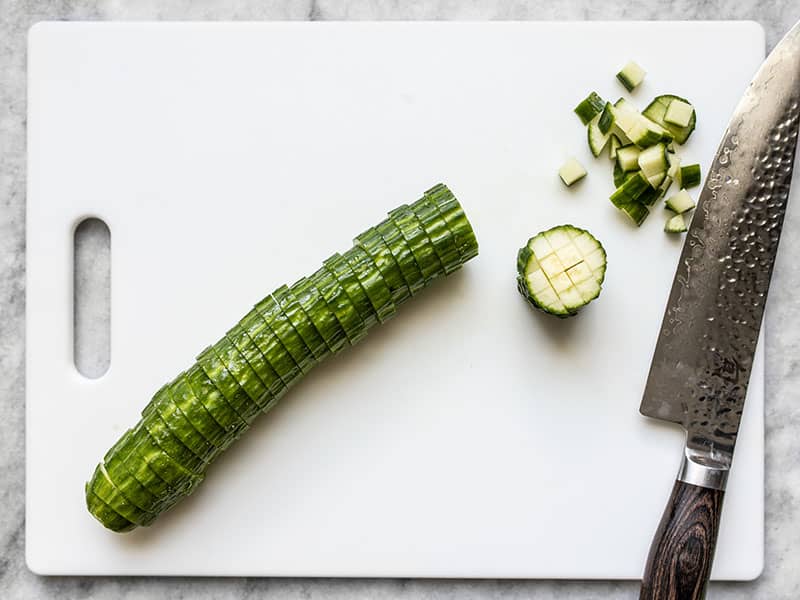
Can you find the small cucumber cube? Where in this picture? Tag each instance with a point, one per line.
(631, 76)
(589, 107)
(571, 171)
(676, 224)
(680, 202)
(690, 176)
(606, 118)
(679, 113)
(628, 158)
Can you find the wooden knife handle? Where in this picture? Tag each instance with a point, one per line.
(682, 551)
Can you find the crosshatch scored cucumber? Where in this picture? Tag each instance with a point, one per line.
(200, 413)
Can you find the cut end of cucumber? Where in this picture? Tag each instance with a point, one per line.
(676, 224)
(589, 107)
(571, 172)
(561, 270)
(680, 202)
(631, 76)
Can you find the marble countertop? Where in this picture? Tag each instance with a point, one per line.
(781, 578)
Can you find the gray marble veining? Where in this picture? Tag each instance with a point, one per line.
(781, 579)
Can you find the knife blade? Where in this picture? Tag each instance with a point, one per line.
(701, 365)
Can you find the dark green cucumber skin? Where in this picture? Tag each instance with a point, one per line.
(372, 281)
(271, 312)
(394, 240)
(341, 270)
(195, 417)
(373, 244)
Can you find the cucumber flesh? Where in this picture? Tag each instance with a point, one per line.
(561, 270)
(679, 113)
(614, 144)
(589, 107)
(657, 110)
(571, 171)
(680, 202)
(690, 176)
(676, 224)
(596, 138)
(631, 76)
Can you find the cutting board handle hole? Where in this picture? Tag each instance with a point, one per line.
(91, 317)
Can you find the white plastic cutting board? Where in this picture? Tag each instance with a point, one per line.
(470, 436)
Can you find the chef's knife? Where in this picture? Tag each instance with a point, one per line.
(701, 366)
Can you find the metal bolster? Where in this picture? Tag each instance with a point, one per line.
(697, 469)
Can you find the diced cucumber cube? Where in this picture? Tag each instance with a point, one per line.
(680, 202)
(631, 76)
(676, 224)
(589, 107)
(679, 113)
(690, 176)
(571, 171)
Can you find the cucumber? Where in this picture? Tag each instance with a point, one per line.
(163, 436)
(340, 306)
(244, 376)
(105, 514)
(373, 244)
(321, 314)
(302, 323)
(180, 426)
(220, 378)
(628, 157)
(676, 224)
(345, 275)
(371, 280)
(679, 113)
(571, 172)
(259, 363)
(630, 190)
(631, 76)
(270, 310)
(200, 413)
(561, 270)
(199, 416)
(457, 222)
(607, 118)
(394, 240)
(690, 176)
(215, 402)
(614, 144)
(439, 233)
(680, 202)
(589, 107)
(419, 242)
(596, 138)
(656, 111)
(107, 491)
(271, 348)
(636, 211)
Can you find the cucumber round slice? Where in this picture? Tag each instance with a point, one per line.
(221, 379)
(561, 270)
(419, 242)
(101, 485)
(171, 444)
(302, 323)
(248, 387)
(271, 312)
(180, 479)
(341, 270)
(130, 454)
(394, 240)
(110, 518)
(456, 220)
(372, 281)
(258, 361)
(313, 302)
(373, 244)
(271, 348)
(146, 489)
(213, 399)
(339, 303)
(439, 233)
(180, 426)
(197, 414)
